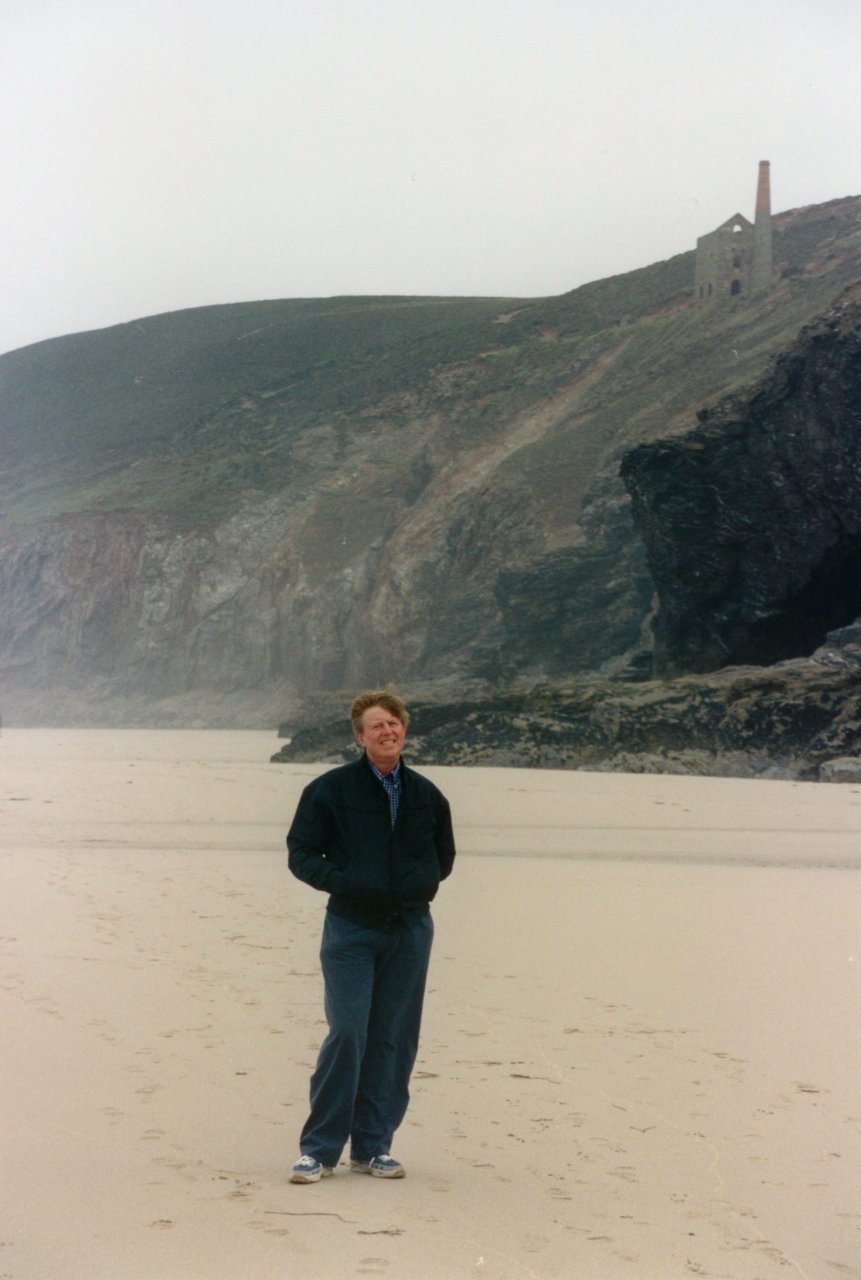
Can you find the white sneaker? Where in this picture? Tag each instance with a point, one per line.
(309, 1169)
(382, 1166)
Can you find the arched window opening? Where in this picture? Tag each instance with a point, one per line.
(735, 288)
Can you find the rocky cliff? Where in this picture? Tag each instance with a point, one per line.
(207, 515)
(752, 521)
(752, 528)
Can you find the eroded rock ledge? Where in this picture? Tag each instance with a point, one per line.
(785, 721)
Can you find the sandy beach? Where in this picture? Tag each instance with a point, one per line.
(641, 1044)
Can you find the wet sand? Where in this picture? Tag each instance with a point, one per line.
(641, 1040)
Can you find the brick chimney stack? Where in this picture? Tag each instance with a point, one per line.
(761, 273)
(763, 189)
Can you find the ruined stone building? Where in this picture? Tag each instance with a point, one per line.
(735, 260)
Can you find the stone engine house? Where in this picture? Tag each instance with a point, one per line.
(735, 260)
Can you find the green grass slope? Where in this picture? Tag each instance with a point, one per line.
(184, 415)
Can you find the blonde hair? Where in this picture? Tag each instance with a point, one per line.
(377, 698)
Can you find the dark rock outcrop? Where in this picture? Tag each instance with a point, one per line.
(785, 721)
(788, 720)
(752, 521)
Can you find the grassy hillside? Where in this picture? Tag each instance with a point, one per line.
(76, 413)
(181, 413)
(185, 414)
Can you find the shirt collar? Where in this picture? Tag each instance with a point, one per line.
(394, 774)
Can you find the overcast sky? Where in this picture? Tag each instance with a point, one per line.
(163, 154)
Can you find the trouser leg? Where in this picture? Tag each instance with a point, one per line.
(393, 1039)
(348, 955)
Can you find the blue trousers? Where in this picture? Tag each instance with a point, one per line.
(374, 991)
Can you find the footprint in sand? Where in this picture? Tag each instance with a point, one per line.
(245, 1192)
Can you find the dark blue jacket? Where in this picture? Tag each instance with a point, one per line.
(341, 841)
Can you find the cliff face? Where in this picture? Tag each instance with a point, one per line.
(123, 600)
(752, 521)
(210, 514)
(752, 526)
